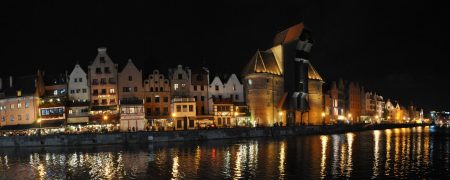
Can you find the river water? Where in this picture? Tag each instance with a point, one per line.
(405, 153)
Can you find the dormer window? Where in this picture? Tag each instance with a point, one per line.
(19, 93)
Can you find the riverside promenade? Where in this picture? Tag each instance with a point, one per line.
(191, 135)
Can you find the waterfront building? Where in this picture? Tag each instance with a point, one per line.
(338, 98)
(264, 88)
(157, 100)
(132, 114)
(224, 113)
(199, 91)
(282, 86)
(131, 97)
(19, 101)
(183, 114)
(52, 106)
(102, 75)
(180, 80)
(229, 88)
(354, 102)
(79, 96)
(390, 111)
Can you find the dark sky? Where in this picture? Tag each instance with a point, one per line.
(399, 49)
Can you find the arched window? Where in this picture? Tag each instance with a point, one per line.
(151, 89)
(161, 89)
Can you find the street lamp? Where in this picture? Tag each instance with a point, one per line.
(323, 118)
(40, 124)
(349, 117)
(376, 118)
(281, 117)
(235, 118)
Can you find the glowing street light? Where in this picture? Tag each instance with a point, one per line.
(39, 121)
(323, 118)
(105, 117)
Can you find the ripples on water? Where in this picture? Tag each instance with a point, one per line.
(404, 153)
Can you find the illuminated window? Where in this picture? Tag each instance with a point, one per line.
(70, 111)
(19, 93)
(12, 106)
(19, 117)
(19, 105)
(250, 82)
(112, 91)
(55, 92)
(183, 85)
(175, 87)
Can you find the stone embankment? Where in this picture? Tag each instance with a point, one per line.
(172, 136)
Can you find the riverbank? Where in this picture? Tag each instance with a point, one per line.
(172, 136)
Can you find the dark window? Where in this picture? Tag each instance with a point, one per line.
(95, 92)
(217, 88)
(95, 102)
(191, 108)
(98, 70)
(180, 76)
(104, 101)
(178, 108)
(95, 81)
(179, 124)
(220, 96)
(202, 88)
(112, 101)
(135, 89)
(203, 98)
(148, 111)
(161, 89)
(157, 99)
(103, 91)
(80, 80)
(112, 81)
(156, 89)
(166, 99)
(203, 110)
(191, 123)
(102, 59)
(195, 88)
(160, 77)
(130, 78)
(195, 97)
(151, 89)
(148, 99)
(103, 81)
(236, 97)
(75, 80)
(107, 70)
(157, 111)
(125, 89)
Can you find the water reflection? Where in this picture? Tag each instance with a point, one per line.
(400, 153)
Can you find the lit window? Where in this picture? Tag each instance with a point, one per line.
(12, 106)
(19, 105)
(55, 92)
(175, 86)
(19, 93)
(70, 111)
(112, 91)
(19, 117)
(183, 85)
(250, 82)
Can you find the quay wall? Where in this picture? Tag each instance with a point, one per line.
(192, 135)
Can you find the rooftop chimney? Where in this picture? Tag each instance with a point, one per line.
(10, 81)
(101, 50)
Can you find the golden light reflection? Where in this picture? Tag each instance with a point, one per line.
(175, 165)
(387, 166)
(323, 165)
(282, 155)
(350, 139)
(197, 158)
(41, 171)
(336, 139)
(238, 163)
(376, 153)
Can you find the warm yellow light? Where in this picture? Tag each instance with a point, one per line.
(323, 114)
(376, 117)
(349, 115)
(173, 114)
(236, 114)
(280, 113)
(105, 117)
(39, 121)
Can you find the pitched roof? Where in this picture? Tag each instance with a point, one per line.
(313, 74)
(263, 62)
(26, 84)
(288, 35)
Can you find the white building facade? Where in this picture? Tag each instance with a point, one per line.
(79, 96)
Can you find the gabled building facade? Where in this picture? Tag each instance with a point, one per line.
(180, 80)
(79, 96)
(19, 101)
(52, 106)
(157, 100)
(102, 75)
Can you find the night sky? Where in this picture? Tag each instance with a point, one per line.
(399, 49)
